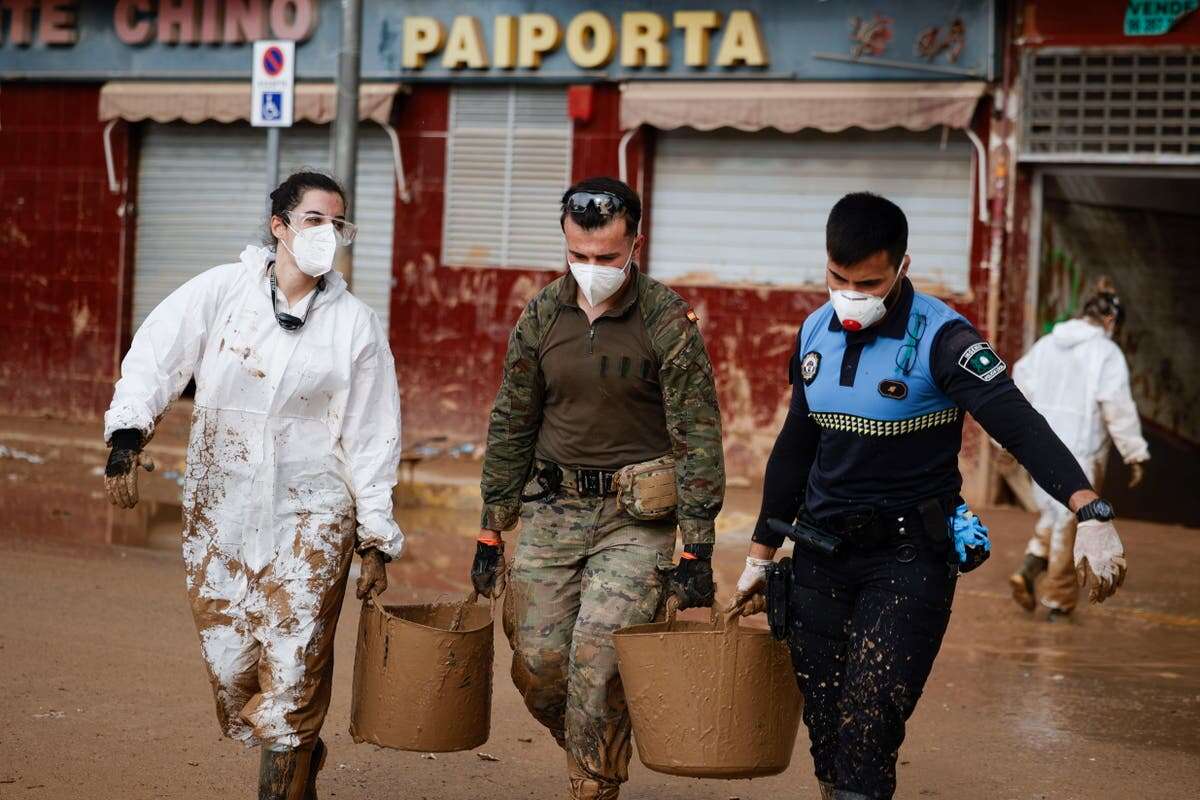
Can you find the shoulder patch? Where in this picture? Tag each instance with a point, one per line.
(981, 361)
(691, 315)
(809, 366)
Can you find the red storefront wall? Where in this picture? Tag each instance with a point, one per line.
(450, 324)
(62, 235)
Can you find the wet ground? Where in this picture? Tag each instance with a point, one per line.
(105, 695)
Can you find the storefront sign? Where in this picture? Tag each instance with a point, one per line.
(1156, 17)
(555, 40)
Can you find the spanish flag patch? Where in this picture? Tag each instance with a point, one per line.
(691, 315)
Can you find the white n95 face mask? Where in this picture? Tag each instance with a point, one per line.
(314, 249)
(598, 282)
(858, 310)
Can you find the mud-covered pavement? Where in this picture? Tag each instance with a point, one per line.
(105, 696)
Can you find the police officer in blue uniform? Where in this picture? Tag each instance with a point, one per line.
(866, 467)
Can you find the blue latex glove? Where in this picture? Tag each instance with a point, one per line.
(971, 541)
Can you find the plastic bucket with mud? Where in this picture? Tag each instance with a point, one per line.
(709, 699)
(423, 676)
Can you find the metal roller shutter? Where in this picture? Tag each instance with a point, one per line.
(202, 198)
(731, 207)
(508, 161)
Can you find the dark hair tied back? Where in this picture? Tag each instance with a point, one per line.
(287, 195)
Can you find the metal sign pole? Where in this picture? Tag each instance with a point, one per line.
(272, 164)
(345, 164)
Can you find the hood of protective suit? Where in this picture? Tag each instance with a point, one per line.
(257, 259)
(1075, 332)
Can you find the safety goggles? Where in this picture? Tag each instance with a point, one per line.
(343, 230)
(607, 205)
(290, 322)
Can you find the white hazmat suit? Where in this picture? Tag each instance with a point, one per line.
(292, 459)
(1077, 378)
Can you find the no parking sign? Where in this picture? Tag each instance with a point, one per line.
(273, 83)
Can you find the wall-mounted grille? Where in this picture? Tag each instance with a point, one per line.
(1111, 106)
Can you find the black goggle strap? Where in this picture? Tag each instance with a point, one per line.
(290, 322)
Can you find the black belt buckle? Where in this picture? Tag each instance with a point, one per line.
(593, 482)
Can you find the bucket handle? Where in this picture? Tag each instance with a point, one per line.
(720, 619)
(455, 624)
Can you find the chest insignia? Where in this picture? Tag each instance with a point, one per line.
(895, 390)
(809, 366)
(981, 361)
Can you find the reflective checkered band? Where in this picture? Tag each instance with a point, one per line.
(878, 427)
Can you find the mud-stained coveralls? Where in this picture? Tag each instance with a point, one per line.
(869, 454)
(292, 458)
(1077, 378)
(634, 386)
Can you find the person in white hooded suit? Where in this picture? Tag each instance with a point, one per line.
(291, 463)
(1077, 378)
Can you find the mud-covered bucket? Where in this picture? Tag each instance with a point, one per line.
(709, 699)
(423, 676)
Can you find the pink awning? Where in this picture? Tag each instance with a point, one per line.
(134, 101)
(794, 106)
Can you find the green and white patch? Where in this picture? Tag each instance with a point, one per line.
(981, 361)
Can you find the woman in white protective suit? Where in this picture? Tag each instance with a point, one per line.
(1076, 376)
(294, 448)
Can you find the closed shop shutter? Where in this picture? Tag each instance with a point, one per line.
(508, 160)
(202, 197)
(732, 207)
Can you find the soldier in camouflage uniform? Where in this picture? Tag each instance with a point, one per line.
(606, 368)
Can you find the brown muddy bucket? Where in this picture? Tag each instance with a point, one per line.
(423, 676)
(709, 699)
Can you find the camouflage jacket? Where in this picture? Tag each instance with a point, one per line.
(689, 397)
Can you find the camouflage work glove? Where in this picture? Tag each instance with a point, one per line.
(372, 579)
(691, 581)
(120, 474)
(487, 570)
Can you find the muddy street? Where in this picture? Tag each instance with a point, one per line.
(106, 696)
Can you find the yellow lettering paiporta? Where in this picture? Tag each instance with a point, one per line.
(591, 40)
(505, 33)
(464, 45)
(742, 42)
(536, 34)
(422, 36)
(696, 25)
(642, 35)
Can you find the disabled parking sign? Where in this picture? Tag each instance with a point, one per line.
(274, 76)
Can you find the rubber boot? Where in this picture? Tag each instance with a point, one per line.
(1022, 580)
(826, 790)
(315, 765)
(284, 774)
(587, 787)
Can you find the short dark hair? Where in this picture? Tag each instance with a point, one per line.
(288, 194)
(861, 224)
(591, 218)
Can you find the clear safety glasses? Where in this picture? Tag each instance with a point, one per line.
(343, 230)
(607, 205)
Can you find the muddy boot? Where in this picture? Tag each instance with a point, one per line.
(1059, 616)
(284, 774)
(1022, 580)
(587, 787)
(315, 765)
(826, 790)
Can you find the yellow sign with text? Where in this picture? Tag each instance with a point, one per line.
(591, 38)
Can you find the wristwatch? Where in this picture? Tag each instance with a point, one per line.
(1098, 509)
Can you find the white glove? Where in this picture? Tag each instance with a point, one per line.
(754, 576)
(1099, 559)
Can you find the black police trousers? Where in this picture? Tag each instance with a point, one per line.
(865, 628)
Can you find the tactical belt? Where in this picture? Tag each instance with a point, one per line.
(868, 528)
(586, 482)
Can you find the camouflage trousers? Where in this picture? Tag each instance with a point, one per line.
(582, 569)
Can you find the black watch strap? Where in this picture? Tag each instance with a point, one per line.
(1098, 509)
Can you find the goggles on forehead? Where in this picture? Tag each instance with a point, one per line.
(606, 204)
(343, 230)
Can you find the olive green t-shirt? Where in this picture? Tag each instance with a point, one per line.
(602, 402)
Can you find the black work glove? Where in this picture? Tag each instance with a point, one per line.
(487, 570)
(691, 581)
(120, 474)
